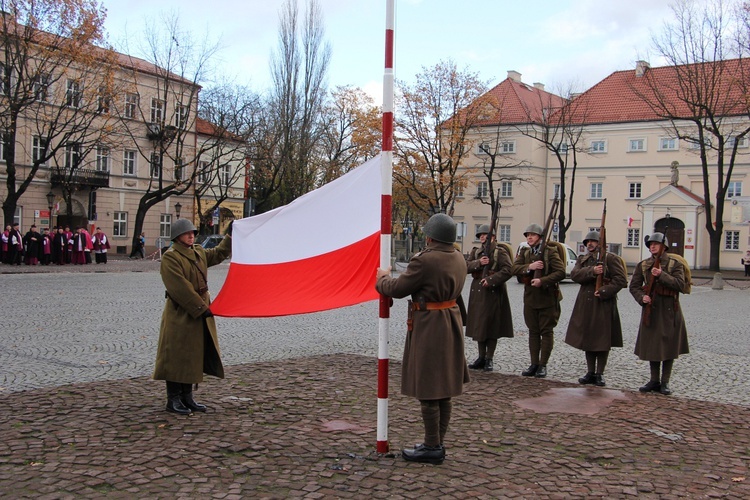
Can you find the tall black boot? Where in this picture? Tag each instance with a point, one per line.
(174, 399)
(187, 398)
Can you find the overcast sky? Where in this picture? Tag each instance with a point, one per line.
(552, 42)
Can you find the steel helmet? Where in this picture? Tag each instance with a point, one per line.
(592, 235)
(182, 226)
(483, 229)
(441, 227)
(657, 237)
(533, 228)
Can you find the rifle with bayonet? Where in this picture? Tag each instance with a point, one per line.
(487, 249)
(649, 288)
(601, 258)
(546, 234)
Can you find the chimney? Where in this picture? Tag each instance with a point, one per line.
(538, 85)
(640, 68)
(514, 75)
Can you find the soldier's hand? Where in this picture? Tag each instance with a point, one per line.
(383, 272)
(536, 282)
(484, 260)
(646, 299)
(484, 283)
(598, 269)
(656, 272)
(537, 264)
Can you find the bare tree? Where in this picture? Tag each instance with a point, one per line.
(436, 116)
(56, 83)
(703, 94)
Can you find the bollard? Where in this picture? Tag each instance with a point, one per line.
(718, 282)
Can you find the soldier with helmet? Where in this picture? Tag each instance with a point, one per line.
(489, 317)
(541, 297)
(434, 367)
(188, 344)
(594, 325)
(662, 334)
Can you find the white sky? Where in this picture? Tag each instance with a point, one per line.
(553, 42)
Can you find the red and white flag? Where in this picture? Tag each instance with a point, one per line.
(317, 253)
(630, 221)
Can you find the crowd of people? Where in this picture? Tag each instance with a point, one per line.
(60, 246)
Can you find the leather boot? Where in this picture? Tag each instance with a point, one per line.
(174, 399)
(478, 364)
(187, 398)
(589, 378)
(541, 372)
(651, 386)
(488, 365)
(424, 454)
(599, 380)
(530, 371)
(664, 389)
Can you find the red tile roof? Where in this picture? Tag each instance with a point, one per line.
(516, 102)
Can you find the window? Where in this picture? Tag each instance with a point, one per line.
(157, 110)
(38, 150)
(120, 224)
(225, 175)
(73, 94)
(732, 240)
(41, 87)
(635, 145)
(102, 159)
(131, 104)
(92, 205)
(634, 237)
(201, 176)
(634, 190)
(696, 144)
(5, 139)
(476, 230)
(180, 116)
(72, 155)
(155, 166)
(508, 147)
(483, 148)
(741, 144)
(482, 189)
(563, 148)
(734, 189)
(667, 144)
(165, 225)
(506, 189)
(459, 190)
(598, 146)
(596, 190)
(5, 76)
(128, 162)
(178, 167)
(556, 190)
(503, 233)
(102, 100)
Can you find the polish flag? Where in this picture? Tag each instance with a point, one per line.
(317, 253)
(630, 221)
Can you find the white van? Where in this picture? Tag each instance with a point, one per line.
(569, 263)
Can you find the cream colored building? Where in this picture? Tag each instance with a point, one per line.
(626, 157)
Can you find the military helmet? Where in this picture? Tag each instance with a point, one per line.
(657, 237)
(483, 229)
(592, 235)
(441, 227)
(182, 226)
(533, 228)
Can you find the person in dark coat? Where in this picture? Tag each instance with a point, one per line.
(541, 297)
(594, 325)
(15, 245)
(662, 334)
(188, 343)
(59, 247)
(32, 244)
(434, 367)
(489, 317)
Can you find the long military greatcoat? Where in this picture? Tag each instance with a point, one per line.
(665, 337)
(434, 366)
(548, 294)
(489, 315)
(595, 322)
(185, 335)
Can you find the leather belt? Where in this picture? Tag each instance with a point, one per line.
(433, 306)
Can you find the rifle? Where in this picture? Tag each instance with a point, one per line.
(602, 257)
(545, 235)
(487, 250)
(649, 289)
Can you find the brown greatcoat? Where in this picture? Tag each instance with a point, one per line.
(594, 325)
(434, 366)
(548, 295)
(185, 335)
(666, 336)
(489, 315)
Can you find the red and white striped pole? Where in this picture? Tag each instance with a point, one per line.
(385, 227)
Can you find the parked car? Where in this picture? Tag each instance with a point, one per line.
(569, 263)
(205, 240)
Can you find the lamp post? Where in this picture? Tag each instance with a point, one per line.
(177, 208)
(50, 201)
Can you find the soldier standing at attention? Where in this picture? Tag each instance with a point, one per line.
(489, 316)
(434, 367)
(594, 325)
(541, 297)
(662, 335)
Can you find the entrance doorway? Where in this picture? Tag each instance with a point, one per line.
(674, 230)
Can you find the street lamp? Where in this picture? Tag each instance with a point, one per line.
(50, 201)
(177, 208)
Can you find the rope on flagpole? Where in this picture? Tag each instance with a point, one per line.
(385, 228)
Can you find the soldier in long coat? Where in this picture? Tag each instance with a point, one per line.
(594, 325)
(188, 343)
(663, 337)
(489, 317)
(434, 367)
(541, 297)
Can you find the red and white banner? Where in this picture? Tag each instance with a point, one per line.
(317, 253)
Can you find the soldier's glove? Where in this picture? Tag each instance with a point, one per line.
(228, 230)
(207, 314)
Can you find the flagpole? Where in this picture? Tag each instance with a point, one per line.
(385, 227)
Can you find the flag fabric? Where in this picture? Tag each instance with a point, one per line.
(319, 252)
(630, 221)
